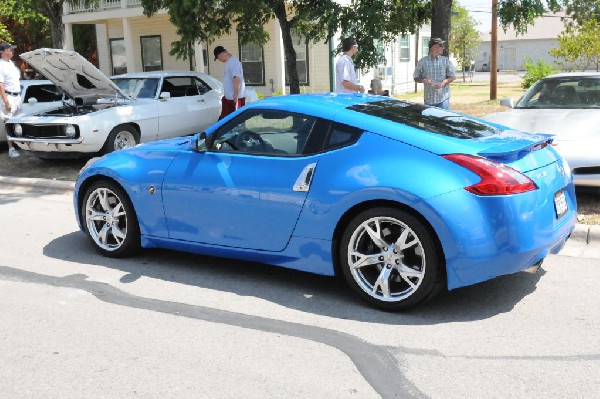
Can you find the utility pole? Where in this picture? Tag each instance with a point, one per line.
(494, 51)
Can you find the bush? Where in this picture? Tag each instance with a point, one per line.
(536, 71)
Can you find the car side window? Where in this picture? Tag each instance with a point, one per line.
(43, 93)
(342, 135)
(202, 86)
(265, 132)
(180, 86)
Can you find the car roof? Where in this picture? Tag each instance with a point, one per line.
(574, 74)
(34, 82)
(157, 74)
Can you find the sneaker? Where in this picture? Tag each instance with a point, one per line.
(12, 152)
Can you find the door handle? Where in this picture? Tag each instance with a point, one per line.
(303, 181)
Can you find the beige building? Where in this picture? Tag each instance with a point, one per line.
(128, 41)
(513, 49)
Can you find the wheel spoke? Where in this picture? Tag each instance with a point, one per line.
(383, 282)
(118, 234)
(103, 199)
(95, 215)
(376, 234)
(118, 210)
(407, 273)
(364, 260)
(102, 234)
(401, 241)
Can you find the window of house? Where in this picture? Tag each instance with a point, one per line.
(118, 56)
(151, 53)
(301, 48)
(205, 58)
(252, 56)
(404, 48)
(425, 46)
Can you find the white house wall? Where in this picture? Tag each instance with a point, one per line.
(110, 26)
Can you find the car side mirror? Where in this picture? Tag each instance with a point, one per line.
(201, 142)
(507, 102)
(32, 100)
(164, 95)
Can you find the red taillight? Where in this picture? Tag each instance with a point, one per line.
(496, 178)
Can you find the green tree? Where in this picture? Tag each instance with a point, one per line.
(371, 22)
(22, 26)
(464, 37)
(578, 47)
(535, 71)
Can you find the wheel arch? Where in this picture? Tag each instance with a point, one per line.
(358, 208)
(136, 127)
(86, 185)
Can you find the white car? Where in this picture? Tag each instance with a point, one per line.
(104, 115)
(566, 105)
(36, 96)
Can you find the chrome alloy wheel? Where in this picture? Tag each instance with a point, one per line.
(124, 139)
(386, 259)
(106, 219)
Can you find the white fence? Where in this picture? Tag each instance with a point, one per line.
(101, 6)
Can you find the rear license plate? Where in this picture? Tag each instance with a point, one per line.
(560, 203)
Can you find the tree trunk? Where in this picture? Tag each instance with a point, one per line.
(440, 21)
(288, 47)
(54, 10)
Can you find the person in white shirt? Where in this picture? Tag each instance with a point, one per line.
(345, 75)
(10, 89)
(234, 88)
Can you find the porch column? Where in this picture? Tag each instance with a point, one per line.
(69, 37)
(128, 38)
(103, 49)
(279, 81)
(199, 57)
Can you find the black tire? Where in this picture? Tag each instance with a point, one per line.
(109, 220)
(121, 137)
(376, 266)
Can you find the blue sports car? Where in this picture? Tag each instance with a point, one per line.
(400, 199)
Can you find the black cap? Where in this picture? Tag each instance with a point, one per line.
(436, 40)
(348, 43)
(6, 46)
(218, 50)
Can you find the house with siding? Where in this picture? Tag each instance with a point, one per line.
(514, 49)
(128, 41)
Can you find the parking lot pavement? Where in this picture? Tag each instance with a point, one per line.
(584, 242)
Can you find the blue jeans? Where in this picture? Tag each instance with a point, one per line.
(443, 105)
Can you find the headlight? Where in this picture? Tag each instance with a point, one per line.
(70, 131)
(18, 129)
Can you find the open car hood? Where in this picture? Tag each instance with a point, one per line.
(72, 73)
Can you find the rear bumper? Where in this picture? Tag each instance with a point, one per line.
(505, 235)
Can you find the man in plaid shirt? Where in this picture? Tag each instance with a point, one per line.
(436, 72)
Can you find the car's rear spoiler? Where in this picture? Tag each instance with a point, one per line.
(514, 150)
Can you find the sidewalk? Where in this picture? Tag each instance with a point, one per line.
(584, 242)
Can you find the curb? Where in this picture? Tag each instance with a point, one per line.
(59, 186)
(584, 241)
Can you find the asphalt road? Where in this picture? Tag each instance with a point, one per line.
(166, 324)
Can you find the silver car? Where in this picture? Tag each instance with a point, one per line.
(566, 105)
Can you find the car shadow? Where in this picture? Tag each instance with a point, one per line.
(305, 292)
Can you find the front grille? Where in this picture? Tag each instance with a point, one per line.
(43, 131)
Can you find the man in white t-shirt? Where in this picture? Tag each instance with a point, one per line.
(234, 88)
(10, 89)
(345, 75)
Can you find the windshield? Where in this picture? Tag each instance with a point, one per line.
(563, 92)
(138, 87)
(431, 119)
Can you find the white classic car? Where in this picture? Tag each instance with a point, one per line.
(36, 96)
(104, 115)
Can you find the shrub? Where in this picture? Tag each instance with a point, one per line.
(536, 71)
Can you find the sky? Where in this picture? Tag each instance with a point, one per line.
(481, 11)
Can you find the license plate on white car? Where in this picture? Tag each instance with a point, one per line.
(560, 203)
